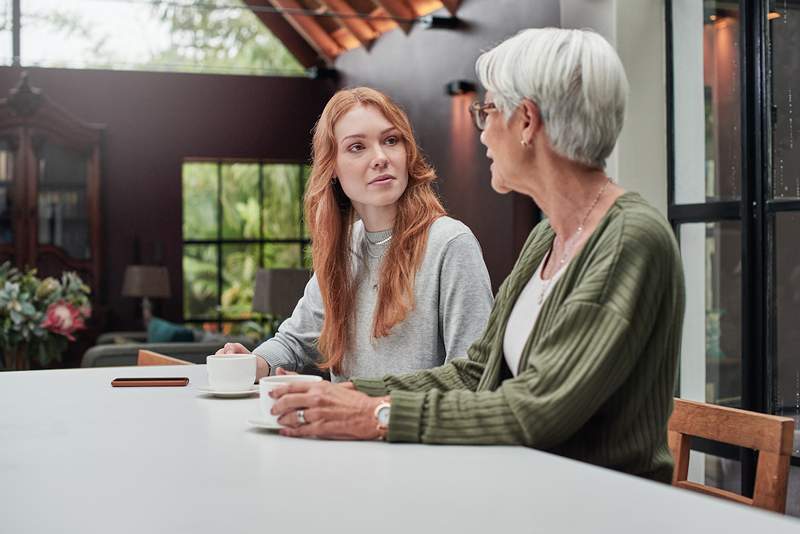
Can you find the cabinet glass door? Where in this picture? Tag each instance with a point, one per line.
(63, 215)
(6, 193)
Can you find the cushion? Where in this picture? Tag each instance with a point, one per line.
(161, 331)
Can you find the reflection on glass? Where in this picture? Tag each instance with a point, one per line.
(239, 265)
(784, 90)
(240, 214)
(61, 205)
(282, 201)
(199, 281)
(6, 193)
(124, 34)
(199, 200)
(707, 101)
(787, 296)
(711, 355)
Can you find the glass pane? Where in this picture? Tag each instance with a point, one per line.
(282, 256)
(200, 200)
(240, 214)
(784, 35)
(6, 52)
(787, 295)
(6, 193)
(308, 257)
(172, 36)
(715, 471)
(239, 265)
(711, 355)
(306, 174)
(707, 101)
(282, 201)
(199, 281)
(62, 204)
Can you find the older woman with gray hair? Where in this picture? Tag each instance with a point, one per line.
(580, 351)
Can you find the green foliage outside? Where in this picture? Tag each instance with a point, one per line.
(200, 40)
(244, 217)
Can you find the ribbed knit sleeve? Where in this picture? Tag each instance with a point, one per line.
(581, 361)
(461, 373)
(598, 369)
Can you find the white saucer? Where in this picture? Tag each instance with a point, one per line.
(263, 423)
(217, 392)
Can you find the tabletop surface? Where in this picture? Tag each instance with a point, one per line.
(77, 455)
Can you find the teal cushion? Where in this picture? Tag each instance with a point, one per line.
(161, 331)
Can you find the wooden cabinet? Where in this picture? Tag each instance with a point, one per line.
(49, 187)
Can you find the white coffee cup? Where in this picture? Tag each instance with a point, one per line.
(232, 372)
(268, 383)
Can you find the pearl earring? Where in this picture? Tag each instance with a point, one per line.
(523, 142)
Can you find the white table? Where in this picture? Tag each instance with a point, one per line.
(79, 456)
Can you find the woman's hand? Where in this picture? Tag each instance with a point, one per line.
(330, 411)
(232, 349)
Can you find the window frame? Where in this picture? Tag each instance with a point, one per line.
(219, 241)
(755, 211)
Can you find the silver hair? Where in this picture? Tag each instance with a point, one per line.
(575, 78)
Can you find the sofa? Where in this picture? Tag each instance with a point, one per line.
(116, 349)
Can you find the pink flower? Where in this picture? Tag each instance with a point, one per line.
(64, 319)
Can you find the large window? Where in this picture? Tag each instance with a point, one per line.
(734, 200)
(213, 36)
(237, 217)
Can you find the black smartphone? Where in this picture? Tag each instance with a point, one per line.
(149, 381)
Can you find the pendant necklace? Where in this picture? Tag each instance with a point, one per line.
(568, 246)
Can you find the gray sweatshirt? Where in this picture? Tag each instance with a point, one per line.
(453, 298)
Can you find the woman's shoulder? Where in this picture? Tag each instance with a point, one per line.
(445, 229)
(639, 225)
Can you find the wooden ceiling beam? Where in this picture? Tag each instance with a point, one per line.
(360, 29)
(399, 9)
(311, 30)
(291, 39)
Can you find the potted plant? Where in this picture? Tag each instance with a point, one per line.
(39, 317)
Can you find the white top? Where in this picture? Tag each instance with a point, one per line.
(523, 316)
(77, 455)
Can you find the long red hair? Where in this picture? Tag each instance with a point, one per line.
(330, 217)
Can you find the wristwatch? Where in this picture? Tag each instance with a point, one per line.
(382, 412)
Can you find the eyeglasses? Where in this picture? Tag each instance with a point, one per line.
(480, 112)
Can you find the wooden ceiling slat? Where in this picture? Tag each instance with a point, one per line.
(382, 25)
(294, 42)
(358, 27)
(311, 30)
(399, 9)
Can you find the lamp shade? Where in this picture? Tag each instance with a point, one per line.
(150, 281)
(278, 290)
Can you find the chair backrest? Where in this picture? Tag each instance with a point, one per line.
(770, 435)
(147, 357)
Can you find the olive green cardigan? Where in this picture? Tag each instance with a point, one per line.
(597, 372)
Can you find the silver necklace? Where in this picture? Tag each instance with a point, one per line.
(568, 246)
(381, 242)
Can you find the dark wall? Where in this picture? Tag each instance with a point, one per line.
(155, 120)
(413, 68)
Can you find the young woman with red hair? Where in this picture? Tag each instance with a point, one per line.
(398, 286)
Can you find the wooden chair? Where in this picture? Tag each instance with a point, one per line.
(770, 435)
(147, 357)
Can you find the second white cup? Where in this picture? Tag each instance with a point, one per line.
(268, 383)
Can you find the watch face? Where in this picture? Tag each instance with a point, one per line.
(383, 416)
